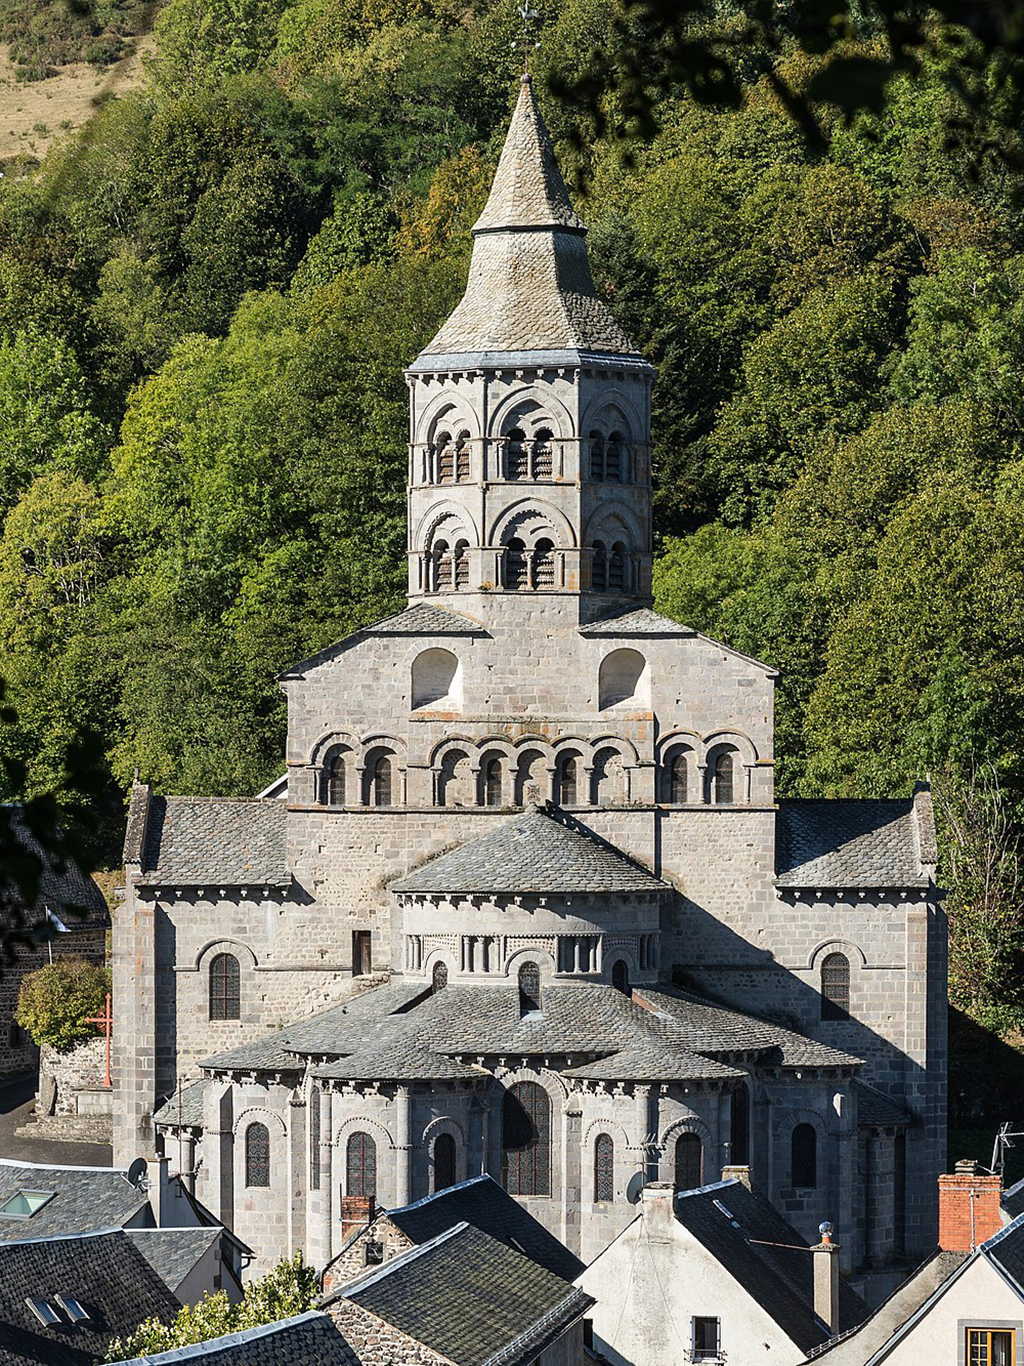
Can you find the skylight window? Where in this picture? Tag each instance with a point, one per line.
(45, 1313)
(24, 1203)
(73, 1308)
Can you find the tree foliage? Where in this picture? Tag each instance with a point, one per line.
(55, 1001)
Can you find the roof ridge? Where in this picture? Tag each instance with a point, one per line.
(439, 1195)
(234, 1339)
(404, 1258)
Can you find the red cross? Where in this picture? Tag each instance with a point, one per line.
(106, 1020)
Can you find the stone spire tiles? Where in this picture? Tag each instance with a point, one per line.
(530, 287)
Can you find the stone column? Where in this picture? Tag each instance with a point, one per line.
(642, 1122)
(403, 1149)
(296, 1147)
(219, 1150)
(326, 1193)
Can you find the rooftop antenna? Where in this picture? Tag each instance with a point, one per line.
(1003, 1140)
(525, 41)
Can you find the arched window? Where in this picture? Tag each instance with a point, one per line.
(679, 777)
(451, 781)
(361, 1166)
(491, 781)
(624, 677)
(544, 565)
(604, 1168)
(723, 777)
(596, 457)
(608, 777)
(599, 568)
(445, 458)
(439, 979)
(444, 1162)
(620, 976)
(543, 457)
(462, 564)
(515, 564)
(257, 1155)
(804, 1157)
(835, 987)
(689, 1162)
(334, 778)
(739, 1153)
(529, 774)
(224, 987)
(613, 459)
(462, 465)
(526, 1140)
(617, 568)
(517, 464)
(441, 566)
(436, 680)
(569, 780)
(378, 779)
(529, 988)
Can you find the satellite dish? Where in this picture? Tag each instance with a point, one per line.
(136, 1172)
(636, 1185)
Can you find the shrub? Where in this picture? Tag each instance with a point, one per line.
(55, 1001)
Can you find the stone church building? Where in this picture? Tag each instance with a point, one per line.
(525, 902)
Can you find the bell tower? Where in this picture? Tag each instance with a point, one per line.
(529, 446)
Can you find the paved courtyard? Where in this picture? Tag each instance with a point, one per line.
(16, 1096)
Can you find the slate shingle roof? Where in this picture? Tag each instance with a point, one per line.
(173, 1252)
(1006, 1250)
(837, 844)
(65, 890)
(190, 1112)
(310, 1339)
(468, 1297)
(86, 1199)
(642, 621)
(742, 1231)
(204, 841)
(1013, 1200)
(421, 619)
(529, 287)
(487, 1206)
(105, 1272)
(264, 1054)
(532, 853)
(875, 1108)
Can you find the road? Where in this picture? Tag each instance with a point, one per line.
(16, 1098)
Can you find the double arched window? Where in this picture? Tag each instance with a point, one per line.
(450, 458)
(529, 457)
(361, 1165)
(491, 780)
(257, 1155)
(835, 987)
(444, 1162)
(526, 1140)
(676, 776)
(609, 459)
(225, 993)
(604, 1168)
(335, 777)
(803, 1157)
(689, 1162)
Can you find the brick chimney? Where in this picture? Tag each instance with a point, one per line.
(968, 1208)
(826, 1279)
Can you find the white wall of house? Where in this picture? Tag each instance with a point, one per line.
(978, 1298)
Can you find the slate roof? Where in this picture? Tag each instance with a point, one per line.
(105, 1272)
(86, 1199)
(64, 889)
(419, 619)
(487, 1206)
(742, 1232)
(529, 287)
(1006, 1250)
(532, 852)
(265, 1054)
(204, 841)
(469, 1297)
(638, 621)
(191, 1108)
(875, 1108)
(837, 844)
(1013, 1200)
(310, 1339)
(173, 1252)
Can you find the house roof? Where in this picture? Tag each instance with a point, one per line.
(205, 841)
(174, 1252)
(184, 1107)
(469, 1298)
(1013, 1200)
(529, 287)
(105, 1272)
(487, 1206)
(765, 1254)
(310, 1339)
(63, 887)
(874, 1108)
(85, 1199)
(532, 852)
(837, 844)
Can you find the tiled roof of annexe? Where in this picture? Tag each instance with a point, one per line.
(310, 1339)
(203, 841)
(532, 852)
(86, 1199)
(848, 844)
(469, 1297)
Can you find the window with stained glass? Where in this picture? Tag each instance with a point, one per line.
(526, 1140)
(835, 987)
(604, 1168)
(257, 1155)
(224, 987)
(361, 1165)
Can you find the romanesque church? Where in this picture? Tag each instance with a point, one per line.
(524, 902)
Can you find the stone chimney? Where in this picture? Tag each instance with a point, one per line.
(657, 1210)
(741, 1174)
(969, 1212)
(160, 1193)
(826, 1279)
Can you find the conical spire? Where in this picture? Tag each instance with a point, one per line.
(530, 287)
(528, 189)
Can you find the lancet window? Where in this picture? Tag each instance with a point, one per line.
(604, 1168)
(224, 987)
(257, 1155)
(361, 1165)
(689, 1162)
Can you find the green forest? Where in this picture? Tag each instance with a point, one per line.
(207, 297)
